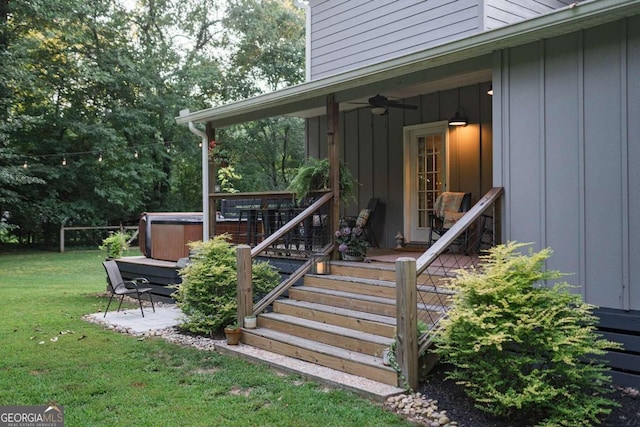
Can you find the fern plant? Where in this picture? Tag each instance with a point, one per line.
(314, 175)
(521, 348)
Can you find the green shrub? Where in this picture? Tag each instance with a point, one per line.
(115, 245)
(522, 349)
(207, 295)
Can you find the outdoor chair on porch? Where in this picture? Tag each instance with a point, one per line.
(363, 220)
(448, 208)
(117, 286)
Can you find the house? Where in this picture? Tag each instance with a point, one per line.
(559, 134)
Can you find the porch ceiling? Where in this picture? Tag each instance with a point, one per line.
(453, 64)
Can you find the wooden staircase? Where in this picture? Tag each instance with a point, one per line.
(343, 321)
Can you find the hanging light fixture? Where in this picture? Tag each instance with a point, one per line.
(378, 110)
(459, 119)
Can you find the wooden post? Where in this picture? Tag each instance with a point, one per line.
(407, 321)
(62, 239)
(245, 284)
(333, 140)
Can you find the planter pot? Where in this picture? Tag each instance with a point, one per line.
(352, 256)
(233, 335)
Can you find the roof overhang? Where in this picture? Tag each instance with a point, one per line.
(427, 65)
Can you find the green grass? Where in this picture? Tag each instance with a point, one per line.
(103, 378)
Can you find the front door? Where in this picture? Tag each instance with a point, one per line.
(425, 172)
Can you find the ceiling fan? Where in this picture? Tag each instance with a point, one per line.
(380, 103)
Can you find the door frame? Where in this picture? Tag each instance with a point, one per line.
(408, 180)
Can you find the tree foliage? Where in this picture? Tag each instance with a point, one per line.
(97, 85)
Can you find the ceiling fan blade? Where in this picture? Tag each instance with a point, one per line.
(405, 106)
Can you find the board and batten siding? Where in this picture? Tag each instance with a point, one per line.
(372, 148)
(349, 34)
(568, 154)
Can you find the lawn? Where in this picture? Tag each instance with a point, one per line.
(49, 354)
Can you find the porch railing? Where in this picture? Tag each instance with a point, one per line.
(421, 285)
(246, 255)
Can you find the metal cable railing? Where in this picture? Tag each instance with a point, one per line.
(457, 249)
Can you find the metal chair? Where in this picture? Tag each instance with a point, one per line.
(447, 209)
(364, 220)
(120, 287)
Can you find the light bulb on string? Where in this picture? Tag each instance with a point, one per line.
(100, 158)
(25, 165)
(64, 161)
(135, 154)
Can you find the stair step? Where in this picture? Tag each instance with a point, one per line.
(353, 301)
(322, 354)
(362, 321)
(380, 271)
(376, 287)
(338, 336)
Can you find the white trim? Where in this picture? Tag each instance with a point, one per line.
(408, 182)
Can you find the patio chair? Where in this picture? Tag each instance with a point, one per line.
(447, 210)
(363, 220)
(117, 286)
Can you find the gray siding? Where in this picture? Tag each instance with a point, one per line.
(504, 12)
(348, 34)
(354, 33)
(569, 154)
(371, 146)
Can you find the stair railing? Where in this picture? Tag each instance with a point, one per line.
(246, 255)
(456, 249)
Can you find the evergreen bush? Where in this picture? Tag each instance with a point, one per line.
(522, 349)
(207, 295)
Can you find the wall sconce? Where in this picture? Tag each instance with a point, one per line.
(320, 264)
(378, 110)
(459, 119)
(490, 91)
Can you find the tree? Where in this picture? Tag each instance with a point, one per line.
(266, 45)
(96, 86)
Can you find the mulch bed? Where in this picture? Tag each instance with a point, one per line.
(460, 408)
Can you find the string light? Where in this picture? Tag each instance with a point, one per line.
(65, 156)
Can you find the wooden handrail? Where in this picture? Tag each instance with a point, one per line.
(406, 280)
(287, 283)
(280, 233)
(245, 258)
(457, 229)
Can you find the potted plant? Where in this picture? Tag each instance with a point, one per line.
(232, 332)
(352, 243)
(115, 244)
(314, 176)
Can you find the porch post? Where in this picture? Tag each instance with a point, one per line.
(407, 320)
(333, 140)
(245, 285)
(210, 214)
